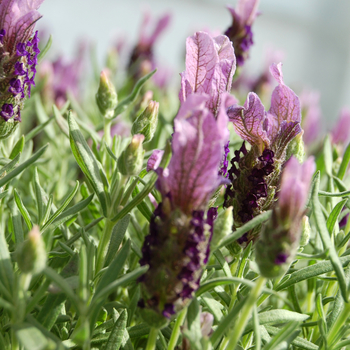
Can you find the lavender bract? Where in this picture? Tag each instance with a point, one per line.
(281, 235)
(210, 65)
(19, 51)
(181, 227)
(240, 32)
(340, 133)
(255, 174)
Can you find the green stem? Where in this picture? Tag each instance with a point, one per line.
(152, 339)
(239, 327)
(103, 245)
(176, 330)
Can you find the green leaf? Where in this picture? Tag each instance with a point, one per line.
(61, 122)
(335, 194)
(123, 105)
(18, 148)
(325, 237)
(31, 338)
(344, 164)
(51, 309)
(43, 117)
(116, 336)
(311, 271)
(39, 196)
(22, 166)
(87, 161)
(10, 165)
(333, 216)
(61, 208)
(286, 334)
(143, 207)
(245, 228)
(23, 210)
(44, 51)
(17, 225)
(193, 332)
(298, 341)
(117, 236)
(32, 133)
(328, 155)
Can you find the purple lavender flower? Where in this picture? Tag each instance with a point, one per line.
(142, 57)
(255, 175)
(240, 32)
(19, 51)
(181, 226)
(281, 235)
(340, 134)
(210, 65)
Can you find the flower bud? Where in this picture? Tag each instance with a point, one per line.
(31, 254)
(222, 227)
(146, 122)
(106, 96)
(131, 159)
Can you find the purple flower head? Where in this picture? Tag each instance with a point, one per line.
(240, 32)
(275, 128)
(15, 86)
(341, 131)
(310, 104)
(198, 142)
(295, 183)
(210, 65)
(281, 235)
(142, 58)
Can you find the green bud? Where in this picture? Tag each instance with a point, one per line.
(305, 231)
(296, 148)
(106, 96)
(31, 254)
(7, 128)
(222, 226)
(131, 160)
(146, 122)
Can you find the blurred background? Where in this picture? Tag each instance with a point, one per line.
(311, 37)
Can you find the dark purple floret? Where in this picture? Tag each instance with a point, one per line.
(186, 292)
(267, 156)
(169, 310)
(2, 34)
(224, 167)
(19, 69)
(17, 118)
(7, 111)
(15, 86)
(247, 40)
(21, 49)
(343, 221)
(141, 304)
(281, 259)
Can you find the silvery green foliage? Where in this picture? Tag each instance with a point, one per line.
(79, 193)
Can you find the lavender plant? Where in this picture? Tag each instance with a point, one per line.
(131, 222)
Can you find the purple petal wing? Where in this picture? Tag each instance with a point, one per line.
(197, 152)
(341, 131)
(285, 104)
(249, 121)
(247, 10)
(286, 133)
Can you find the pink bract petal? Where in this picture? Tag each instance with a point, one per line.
(249, 121)
(154, 160)
(341, 131)
(197, 146)
(247, 11)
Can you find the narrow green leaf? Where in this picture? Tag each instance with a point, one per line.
(31, 337)
(286, 334)
(117, 236)
(245, 228)
(143, 207)
(336, 194)
(61, 122)
(17, 225)
(43, 117)
(311, 271)
(39, 194)
(344, 164)
(44, 51)
(22, 166)
(123, 105)
(325, 237)
(116, 336)
(32, 133)
(18, 148)
(10, 165)
(328, 155)
(23, 210)
(51, 309)
(256, 329)
(61, 208)
(333, 216)
(87, 161)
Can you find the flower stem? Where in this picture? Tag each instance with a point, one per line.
(237, 331)
(176, 330)
(152, 339)
(102, 247)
